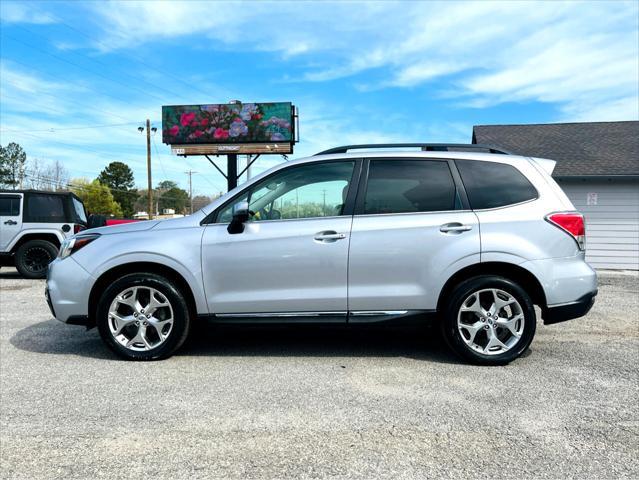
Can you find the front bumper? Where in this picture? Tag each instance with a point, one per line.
(569, 311)
(67, 291)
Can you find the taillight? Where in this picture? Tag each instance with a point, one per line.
(572, 223)
(77, 228)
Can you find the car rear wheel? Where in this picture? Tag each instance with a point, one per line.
(143, 316)
(33, 258)
(489, 320)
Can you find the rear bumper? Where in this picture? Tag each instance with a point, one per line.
(569, 311)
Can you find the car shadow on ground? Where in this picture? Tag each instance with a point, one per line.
(419, 343)
(11, 275)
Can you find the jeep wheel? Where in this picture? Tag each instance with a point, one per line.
(143, 317)
(33, 258)
(489, 320)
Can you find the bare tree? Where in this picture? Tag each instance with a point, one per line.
(58, 174)
(46, 176)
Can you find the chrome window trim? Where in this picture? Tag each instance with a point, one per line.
(376, 313)
(280, 220)
(411, 213)
(508, 206)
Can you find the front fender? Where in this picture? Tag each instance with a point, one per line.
(192, 277)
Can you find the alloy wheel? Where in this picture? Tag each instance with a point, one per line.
(491, 321)
(37, 259)
(140, 318)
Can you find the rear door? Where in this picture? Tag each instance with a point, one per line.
(10, 218)
(411, 231)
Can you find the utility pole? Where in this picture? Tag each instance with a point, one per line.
(190, 174)
(148, 167)
(324, 206)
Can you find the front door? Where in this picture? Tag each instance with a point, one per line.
(10, 219)
(292, 256)
(410, 233)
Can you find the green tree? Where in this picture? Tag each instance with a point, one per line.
(119, 178)
(174, 198)
(200, 201)
(166, 185)
(12, 165)
(97, 197)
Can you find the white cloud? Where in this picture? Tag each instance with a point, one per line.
(17, 12)
(489, 52)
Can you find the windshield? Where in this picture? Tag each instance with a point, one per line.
(79, 210)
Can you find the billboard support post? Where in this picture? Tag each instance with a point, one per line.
(231, 169)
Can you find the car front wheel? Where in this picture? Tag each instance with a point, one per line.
(489, 320)
(143, 316)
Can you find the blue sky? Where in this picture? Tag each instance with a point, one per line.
(359, 72)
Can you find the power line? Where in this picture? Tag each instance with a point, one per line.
(78, 186)
(82, 67)
(127, 54)
(47, 74)
(55, 129)
(157, 152)
(73, 146)
(95, 60)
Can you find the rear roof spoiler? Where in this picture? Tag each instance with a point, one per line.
(547, 165)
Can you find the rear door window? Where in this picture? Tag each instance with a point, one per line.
(9, 206)
(492, 184)
(404, 186)
(42, 208)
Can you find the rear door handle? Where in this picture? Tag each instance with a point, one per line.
(10, 222)
(329, 236)
(454, 228)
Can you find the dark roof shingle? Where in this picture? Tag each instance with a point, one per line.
(593, 148)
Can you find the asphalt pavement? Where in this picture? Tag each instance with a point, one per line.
(310, 402)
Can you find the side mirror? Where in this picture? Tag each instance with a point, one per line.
(241, 215)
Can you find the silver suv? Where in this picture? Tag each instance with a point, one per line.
(473, 239)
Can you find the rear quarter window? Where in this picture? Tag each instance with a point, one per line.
(492, 184)
(42, 208)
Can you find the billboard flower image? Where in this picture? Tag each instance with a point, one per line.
(227, 123)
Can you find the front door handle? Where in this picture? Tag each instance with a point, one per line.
(454, 228)
(329, 236)
(10, 222)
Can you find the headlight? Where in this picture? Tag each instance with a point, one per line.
(73, 244)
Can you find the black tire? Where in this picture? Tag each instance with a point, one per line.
(181, 317)
(32, 258)
(453, 336)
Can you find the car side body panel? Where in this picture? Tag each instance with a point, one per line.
(402, 261)
(178, 249)
(34, 229)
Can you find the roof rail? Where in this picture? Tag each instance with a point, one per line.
(427, 147)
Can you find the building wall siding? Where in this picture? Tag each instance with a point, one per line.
(612, 220)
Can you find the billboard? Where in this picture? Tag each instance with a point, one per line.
(236, 123)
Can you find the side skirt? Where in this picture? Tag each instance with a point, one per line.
(356, 317)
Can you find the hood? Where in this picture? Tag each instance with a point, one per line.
(125, 227)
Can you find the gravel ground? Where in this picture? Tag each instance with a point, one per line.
(317, 402)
